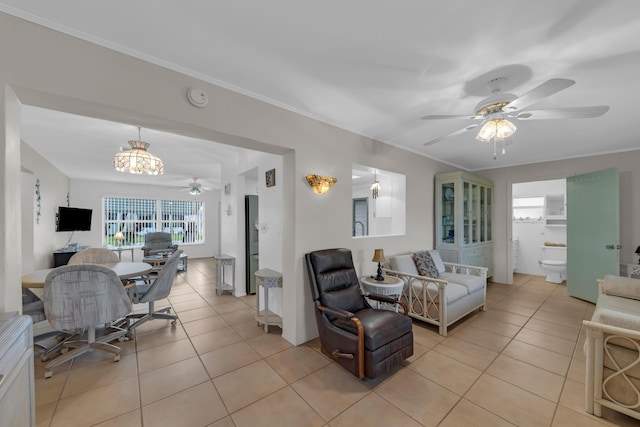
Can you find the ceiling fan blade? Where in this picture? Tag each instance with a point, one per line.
(538, 93)
(458, 132)
(564, 113)
(449, 116)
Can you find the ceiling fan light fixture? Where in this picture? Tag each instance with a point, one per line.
(496, 129)
(195, 191)
(137, 159)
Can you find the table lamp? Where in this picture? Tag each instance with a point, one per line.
(378, 256)
(119, 237)
(638, 253)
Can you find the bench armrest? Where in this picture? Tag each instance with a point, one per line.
(625, 287)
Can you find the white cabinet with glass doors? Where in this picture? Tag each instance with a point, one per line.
(464, 219)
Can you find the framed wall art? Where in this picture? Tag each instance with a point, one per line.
(270, 177)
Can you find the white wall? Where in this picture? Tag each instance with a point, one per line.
(531, 235)
(54, 187)
(90, 194)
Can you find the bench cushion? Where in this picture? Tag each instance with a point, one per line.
(437, 259)
(472, 283)
(404, 263)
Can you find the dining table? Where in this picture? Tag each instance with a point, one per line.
(124, 270)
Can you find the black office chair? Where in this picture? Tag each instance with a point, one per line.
(365, 341)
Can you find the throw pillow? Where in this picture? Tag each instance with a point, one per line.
(425, 265)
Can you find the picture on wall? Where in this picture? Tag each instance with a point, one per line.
(270, 177)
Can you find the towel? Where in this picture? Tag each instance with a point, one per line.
(555, 244)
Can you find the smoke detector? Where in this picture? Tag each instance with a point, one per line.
(197, 97)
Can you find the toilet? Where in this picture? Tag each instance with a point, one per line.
(554, 263)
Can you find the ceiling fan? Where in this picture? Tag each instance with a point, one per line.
(195, 188)
(496, 111)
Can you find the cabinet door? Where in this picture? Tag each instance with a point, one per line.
(474, 213)
(447, 213)
(489, 213)
(466, 214)
(485, 213)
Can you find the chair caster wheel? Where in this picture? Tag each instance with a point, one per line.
(116, 358)
(48, 374)
(64, 350)
(173, 323)
(122, 338)
(43, 358)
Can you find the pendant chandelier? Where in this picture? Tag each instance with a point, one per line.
(375, 187)
(138, 160)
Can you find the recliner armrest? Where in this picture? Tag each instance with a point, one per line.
(336, 312)
(381, 298)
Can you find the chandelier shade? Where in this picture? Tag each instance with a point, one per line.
(138, 160)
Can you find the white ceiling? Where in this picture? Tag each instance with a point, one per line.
(377, 67)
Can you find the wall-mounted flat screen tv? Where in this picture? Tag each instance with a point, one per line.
(73, 219)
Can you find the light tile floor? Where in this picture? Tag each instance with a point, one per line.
(518, 363)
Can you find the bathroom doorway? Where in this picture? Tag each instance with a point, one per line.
(538, 217)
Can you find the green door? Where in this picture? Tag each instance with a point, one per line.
(593, 231)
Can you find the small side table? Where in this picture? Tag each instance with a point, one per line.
(121, 249)
(391, 286)
(268, 279)
(222, 260)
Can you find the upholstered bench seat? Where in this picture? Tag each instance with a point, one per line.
(462, 287)
(472, 283)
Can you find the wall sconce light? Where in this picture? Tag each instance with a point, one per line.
(378, 256)
(321, 184)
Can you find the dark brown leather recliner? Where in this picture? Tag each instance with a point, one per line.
(365, 341)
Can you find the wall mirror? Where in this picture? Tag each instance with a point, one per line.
(378, 202)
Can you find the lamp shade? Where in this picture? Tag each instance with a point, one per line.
(378, 255)
(118, 236)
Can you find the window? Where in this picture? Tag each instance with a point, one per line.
(137, 217)
(378, 202)
(528, 208)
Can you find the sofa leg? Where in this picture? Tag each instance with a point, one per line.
(443, 330)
